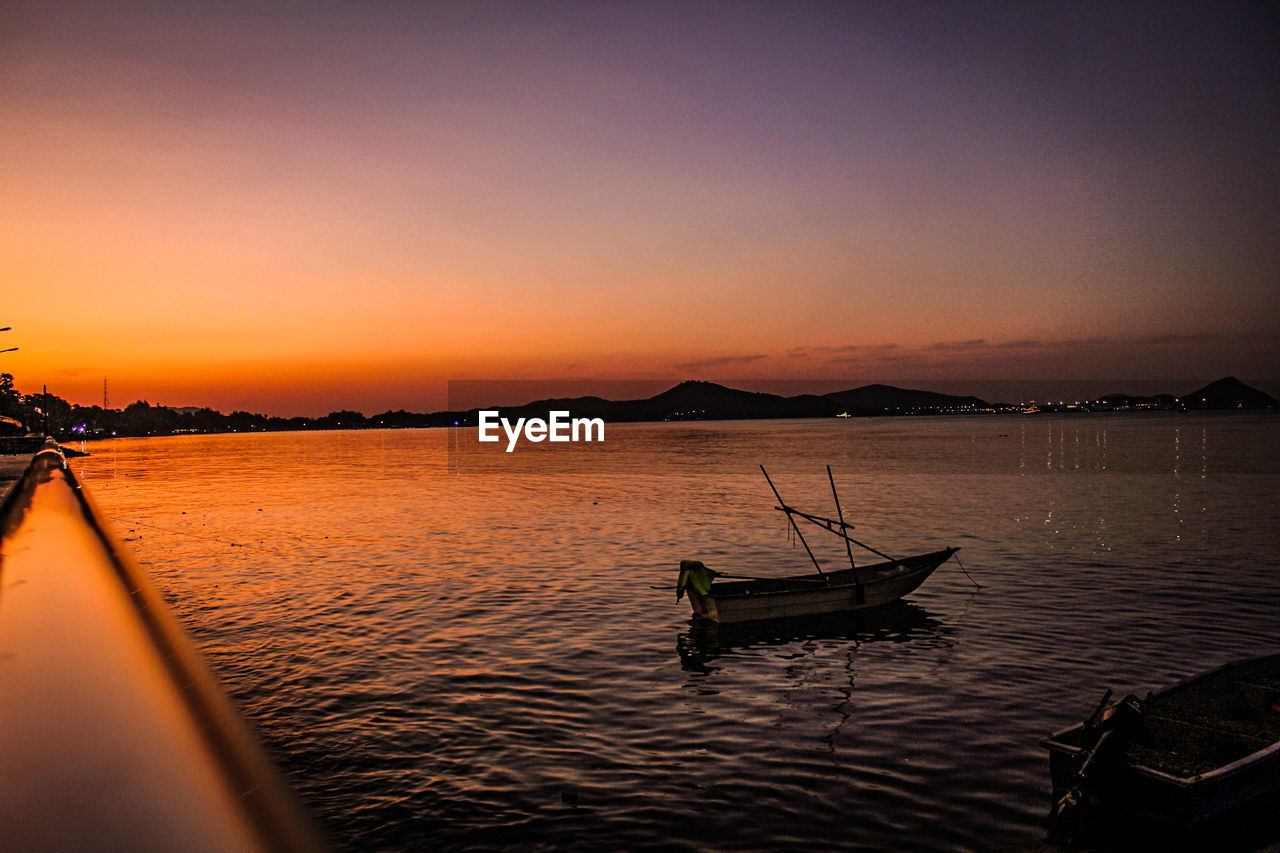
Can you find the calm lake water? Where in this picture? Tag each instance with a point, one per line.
(441, 657)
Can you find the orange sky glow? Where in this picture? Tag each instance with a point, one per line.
(244, 206)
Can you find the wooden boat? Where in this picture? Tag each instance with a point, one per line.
(812, 594)
(749, 599)
(1199, 750)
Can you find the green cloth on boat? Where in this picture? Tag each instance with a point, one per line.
(694, 575)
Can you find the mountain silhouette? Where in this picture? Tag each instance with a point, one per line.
(700, 400)
(1228, 393)
(881, 399)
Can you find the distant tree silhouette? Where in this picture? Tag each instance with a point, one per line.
(10, 399)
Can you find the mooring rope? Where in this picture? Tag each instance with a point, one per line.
(966, 571)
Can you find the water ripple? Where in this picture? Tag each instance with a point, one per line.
(475, 662)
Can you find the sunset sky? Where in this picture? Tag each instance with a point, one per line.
(299, 207)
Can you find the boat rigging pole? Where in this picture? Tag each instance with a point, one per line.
(794, 526)
(839, 528)
(848, 546)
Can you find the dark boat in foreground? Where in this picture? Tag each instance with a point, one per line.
(1188, 754)
(749, 599)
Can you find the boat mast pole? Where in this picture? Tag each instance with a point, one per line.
(840, 515)
(859, 594)
(794, 526)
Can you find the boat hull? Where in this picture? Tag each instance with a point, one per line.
(1142, 792)
(1238, 700)
(810, 595)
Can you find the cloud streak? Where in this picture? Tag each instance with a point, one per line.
(719, 361)
(804, 352)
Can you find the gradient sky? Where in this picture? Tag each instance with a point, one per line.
(299, 207)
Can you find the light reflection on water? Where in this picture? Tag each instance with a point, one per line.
(444, 657)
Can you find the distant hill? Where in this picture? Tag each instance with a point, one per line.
(691, 400)
(885, 399)
(1229, 393)
(582, 407)
(704, 401)
(698, 400)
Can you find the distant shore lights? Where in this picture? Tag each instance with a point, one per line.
(559, 427)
